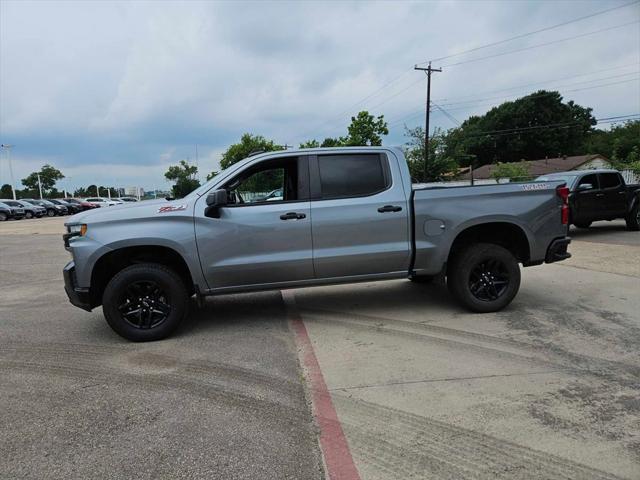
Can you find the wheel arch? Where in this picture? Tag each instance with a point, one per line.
(506, 234)
(113, 261)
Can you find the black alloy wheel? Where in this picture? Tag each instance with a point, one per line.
(144, 305)
(488, 280)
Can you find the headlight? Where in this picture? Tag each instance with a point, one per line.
(81, 229)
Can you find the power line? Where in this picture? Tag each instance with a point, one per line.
(466, 107)
(445, 113)
(591, 72)
(347, 110)
(523, 35)
(399, 120)
(547, 93)
(573, 37)
(518, 130)
(396, 94)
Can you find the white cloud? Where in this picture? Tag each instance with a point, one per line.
(138, 85)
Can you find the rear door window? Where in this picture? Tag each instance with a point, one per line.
(355, 175)
(609, 180)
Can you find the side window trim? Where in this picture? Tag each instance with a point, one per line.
(316, 188)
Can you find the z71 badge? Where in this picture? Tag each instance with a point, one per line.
(172, 208)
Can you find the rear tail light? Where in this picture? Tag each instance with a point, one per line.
(563, 193)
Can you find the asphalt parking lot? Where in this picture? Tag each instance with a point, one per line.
(548, 388)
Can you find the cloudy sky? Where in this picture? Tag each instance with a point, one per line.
(114, 92)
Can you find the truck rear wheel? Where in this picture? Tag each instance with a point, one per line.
(145, 302)
(484, 277)
(633, 219)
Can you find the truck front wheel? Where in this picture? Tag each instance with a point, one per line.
(145, 302)
(484, 277)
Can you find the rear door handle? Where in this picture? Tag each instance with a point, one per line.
(389, 208)
(292, 216)
(599, 194)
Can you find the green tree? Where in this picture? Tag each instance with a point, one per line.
(365, 129)
(83, 192)
(440, 164)
(333, 142)
(511, 171)
(6, 191)
(531, 127)
(618, 143)
(310, 144)
(48, 178)
(248, 144)
(184, 176)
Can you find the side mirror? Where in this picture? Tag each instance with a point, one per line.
(215, 200)
(585, 186)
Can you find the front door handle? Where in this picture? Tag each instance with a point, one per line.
(292, 216)
(599, 194)
(389, 208)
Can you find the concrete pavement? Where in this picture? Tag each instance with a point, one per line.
(548, 388)
(224, 398)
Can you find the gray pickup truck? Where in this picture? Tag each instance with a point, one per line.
(344, 215)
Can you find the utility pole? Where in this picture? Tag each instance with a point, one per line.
(7, 147)
(428, 71)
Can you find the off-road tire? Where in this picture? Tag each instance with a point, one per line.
(119, 290)
(474, 257)
(633, 219)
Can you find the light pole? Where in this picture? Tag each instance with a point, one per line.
(8, 147)
(39, 186)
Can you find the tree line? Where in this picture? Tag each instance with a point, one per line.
(49, 176)
(535, 126)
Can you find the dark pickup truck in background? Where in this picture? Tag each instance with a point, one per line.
(600, 195)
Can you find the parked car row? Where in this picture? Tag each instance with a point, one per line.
(36, 208)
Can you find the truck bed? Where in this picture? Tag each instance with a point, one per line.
(442, 212)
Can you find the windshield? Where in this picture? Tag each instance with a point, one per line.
(45, 202)
(568, 179)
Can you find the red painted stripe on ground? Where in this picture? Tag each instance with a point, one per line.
(335, 449)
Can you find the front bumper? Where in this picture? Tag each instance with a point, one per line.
(77, 296)
(557, 251)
